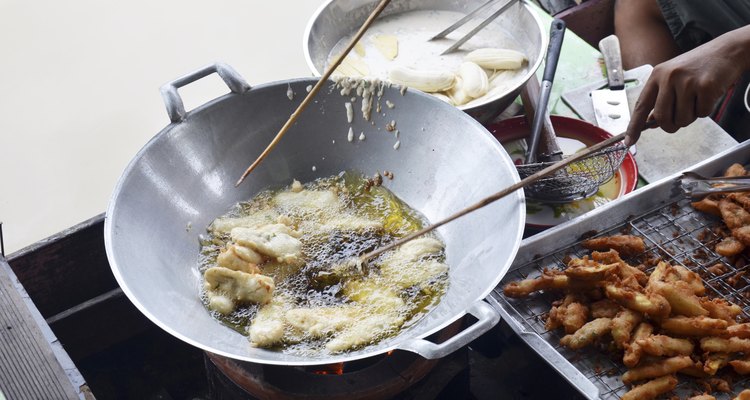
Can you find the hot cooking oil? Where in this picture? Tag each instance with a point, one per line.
(321, 283)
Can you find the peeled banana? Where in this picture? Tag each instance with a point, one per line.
(443, 98)
(496, 58)
(474, 79)
(424, 80)
(386, 44)
(457, 94)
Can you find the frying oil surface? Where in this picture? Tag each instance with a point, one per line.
(324, 303)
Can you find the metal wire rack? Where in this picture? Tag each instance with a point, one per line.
(675, 233)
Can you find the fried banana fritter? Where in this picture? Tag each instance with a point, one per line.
(662, 321)
(733, 214)
(604, 308)
(681, 298)
(708, 205)
(730, 247)
(693, 326)
(651, 304)
(742, 234)
(651, 389)
(662, 345)
(741, 367)
(623, 325)
(722, 309)
(625, 245)
(722, 345)
(587, 334)
(570, 314)
(633, 351)
(625, 270)
(586, 269)
(714, 362)
(741, 331)
(656, 369)
(704, 396)
(735, 169)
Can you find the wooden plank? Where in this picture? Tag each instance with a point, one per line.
(65, 269)
(32, 363)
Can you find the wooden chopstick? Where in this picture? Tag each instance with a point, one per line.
(650, 123)
(380, 7)
(497, 196)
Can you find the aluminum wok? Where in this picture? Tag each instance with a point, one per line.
(184, 178)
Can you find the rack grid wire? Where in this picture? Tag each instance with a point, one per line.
(676, 233)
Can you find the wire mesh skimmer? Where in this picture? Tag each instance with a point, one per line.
(576, 181)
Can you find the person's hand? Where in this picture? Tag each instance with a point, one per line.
(688, 86)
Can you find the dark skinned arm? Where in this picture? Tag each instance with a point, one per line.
(688, 86)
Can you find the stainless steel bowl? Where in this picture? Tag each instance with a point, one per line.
(336, 19)
(184, 178)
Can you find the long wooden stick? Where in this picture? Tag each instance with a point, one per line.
(497, 196)
(293, 118)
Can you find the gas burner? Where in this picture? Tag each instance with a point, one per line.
(397, 374)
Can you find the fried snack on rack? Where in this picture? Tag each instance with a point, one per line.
(587, 334)
(729, 247)
(733, 214)
(662, 345)
(604, 308)
(744, 395)
(625, 245)
(678, 273)
(656, 369)
(739, 330)
(680, 297)
(586, 269)
(624, 270)
(651, 389)
(720, 385)
(633, 351)
(570, 314)
(741, 198)
(696, 371)
(651, 304)
(722, 345)
(742, 366)
(551, 279)
(704, 396)
(694, 326)
(722, 309)
(708, 205)
(714, 362)
(623, 325)
(735, 169)
(742, 234)
(689, 281)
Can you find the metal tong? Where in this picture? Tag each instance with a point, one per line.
(474, 31)
(697, 186)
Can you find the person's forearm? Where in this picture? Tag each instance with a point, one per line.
(735, 45)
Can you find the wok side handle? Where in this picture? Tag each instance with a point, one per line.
(173, 101)
(487, 318)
